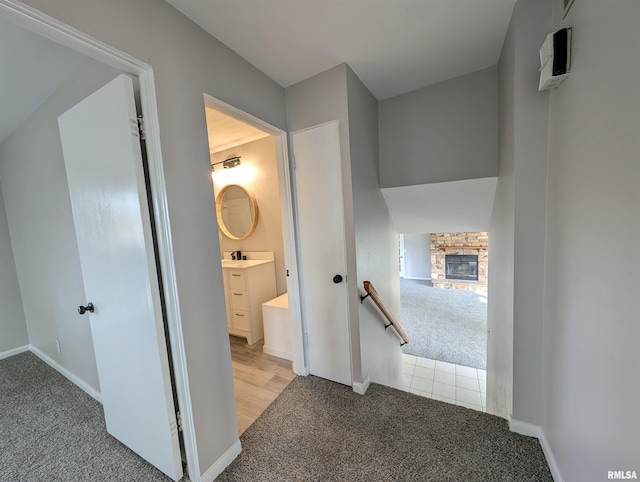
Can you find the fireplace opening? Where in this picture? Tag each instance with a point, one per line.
(461, 266)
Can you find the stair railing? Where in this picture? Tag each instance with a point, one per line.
(371, 291)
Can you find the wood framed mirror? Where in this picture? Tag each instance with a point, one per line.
(237, 211)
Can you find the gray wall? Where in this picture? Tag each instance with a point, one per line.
(533, 23)
(518, 226)
(417, 256)
(590, 389)
(187, 63)
(260, 156)
(501, 230)
(376, 239)
(443, 132)
(12, 323)
(36, 193)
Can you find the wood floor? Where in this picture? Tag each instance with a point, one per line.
(257, 379)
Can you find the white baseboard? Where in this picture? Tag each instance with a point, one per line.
(14, 351)
(417, 277)
(80, 383)
(525, 428)
(361, 388)
(275, 352)
(536, 431)
(551, 459)
(216, 469)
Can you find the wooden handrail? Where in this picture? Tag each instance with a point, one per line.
(368, 287)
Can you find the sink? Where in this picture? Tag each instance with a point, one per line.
(243, 263)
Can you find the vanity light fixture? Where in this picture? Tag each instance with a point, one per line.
(227, 163)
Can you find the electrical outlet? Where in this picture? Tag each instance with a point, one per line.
(58, 347)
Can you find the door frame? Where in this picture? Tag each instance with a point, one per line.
(60, 33)
(401, 254)
(289, 237)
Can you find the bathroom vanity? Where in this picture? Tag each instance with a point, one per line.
(248, 284)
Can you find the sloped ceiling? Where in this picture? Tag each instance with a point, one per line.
(444, 207)
(32, 68)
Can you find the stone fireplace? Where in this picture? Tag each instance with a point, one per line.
(459, 260)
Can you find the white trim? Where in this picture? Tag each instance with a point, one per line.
(551, 459)
(76, 380)
(401, 255)
(289, 235)
(361, 388)
(14, 351)
(219, 465)
(524, 428)
(287, 203)
(168, 271)
(275, 352)
(63, 34)
(417, 277)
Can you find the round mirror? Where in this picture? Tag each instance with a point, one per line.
(237, 211)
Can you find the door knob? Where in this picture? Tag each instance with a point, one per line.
(337, 279)
(83, 309)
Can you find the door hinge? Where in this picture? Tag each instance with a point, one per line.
(141, 128)
(179, 421)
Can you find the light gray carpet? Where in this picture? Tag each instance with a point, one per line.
(442, 324)
(318, 430)
(50, 430)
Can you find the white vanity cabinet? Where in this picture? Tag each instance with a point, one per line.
(247, 285)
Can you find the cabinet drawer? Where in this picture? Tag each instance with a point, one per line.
(239, 300)
(237, 279)
(241, 320)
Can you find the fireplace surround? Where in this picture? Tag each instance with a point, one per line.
(461, 266)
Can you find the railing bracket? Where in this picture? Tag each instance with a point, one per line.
(403, 343)
(362, 298)
(387, 326)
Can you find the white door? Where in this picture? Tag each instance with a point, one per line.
(101, 147)
(401, 258)
(322, 248)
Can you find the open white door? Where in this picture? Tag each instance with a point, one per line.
(103, 160)
(323, 265)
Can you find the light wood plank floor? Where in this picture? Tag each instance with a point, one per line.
(258, 379)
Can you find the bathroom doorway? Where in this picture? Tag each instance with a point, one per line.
(250, 181)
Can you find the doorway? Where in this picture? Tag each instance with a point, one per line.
(250, 180)
(444, 310)
(36, 188)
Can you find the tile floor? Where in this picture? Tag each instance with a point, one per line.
(446, 382)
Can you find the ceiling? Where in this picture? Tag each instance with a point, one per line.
(444, 207)
(33, 68)
(394, 46)
(226, 132)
